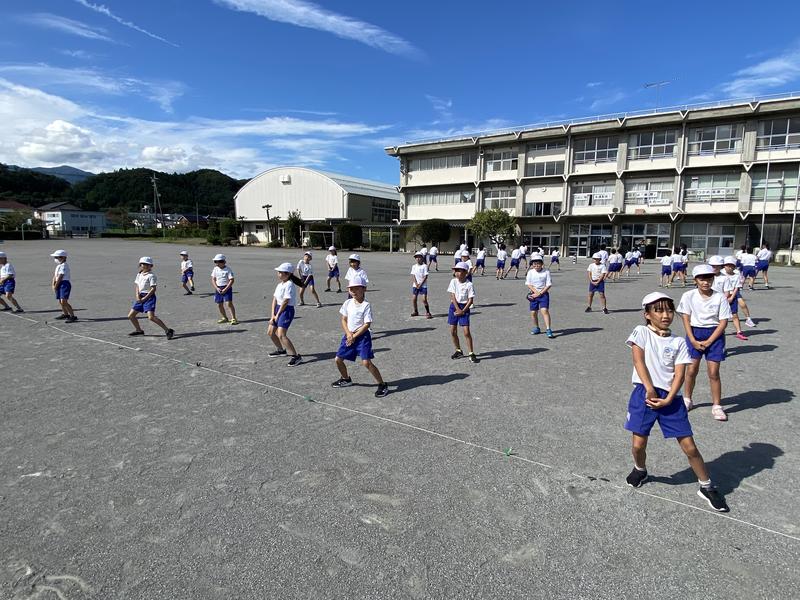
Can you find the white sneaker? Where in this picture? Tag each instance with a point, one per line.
(718, 413)
(749, 322)
(688, 403)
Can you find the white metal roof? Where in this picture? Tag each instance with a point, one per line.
(364, 187)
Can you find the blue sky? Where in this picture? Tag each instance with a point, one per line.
(244, 85)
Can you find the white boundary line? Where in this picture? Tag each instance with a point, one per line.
(407, 425)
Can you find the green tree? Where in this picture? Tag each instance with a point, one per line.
(432, 230)
(348, 236)
(120, 217)
(294, 221)
(228, 230)
(212, 233)
(495, 224)
(12, 221)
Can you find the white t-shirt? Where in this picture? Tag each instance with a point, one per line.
(462, 247)
(420, 272)
(187, 264)
(463, 291)
(63, 270)
(305, 269)
(357, 314)
(538, 279)
(628, 255)
(481, 254)
(554, 254)
(433, 251)
(424, 250)
(666, 261)
(351, 273)
(603, 257)
(502, 255)
(738, 254)
(332, 260)
(286, 290)
(515, 253)
(637, 255)
(523, 250)
(677, 259)
(704, 311)
(614, 258)
(469, 265)
(764, 254)
(719, 283)
(597, 271)
(145, 281)
(661, 354)
(748, 260)
(7, 270)
(223, 275)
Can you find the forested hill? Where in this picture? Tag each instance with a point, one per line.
(207, 191)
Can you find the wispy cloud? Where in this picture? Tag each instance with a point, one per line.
(81, 54)
(608, 100)
(295, 111)
(442, 106)
(765, 76)
(313, 16)
(466, 129)
(65, 25)
(103, 10)
(594, 84)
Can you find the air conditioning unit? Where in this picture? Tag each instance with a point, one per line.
(287, 179)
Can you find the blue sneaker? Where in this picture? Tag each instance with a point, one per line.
(535, 331)
(549, 333)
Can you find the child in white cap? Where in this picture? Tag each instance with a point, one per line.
(333, 269)
(419, 285)
(539, 282)
(355, 270)
(433, 256)
(144, 298)
(596, 273)
(462, 297)
(8, 284)
(222, 279)
(62, 286)
(187, 272)
(306, 273)
(282, 314)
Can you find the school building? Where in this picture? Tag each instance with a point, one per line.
(704, 175)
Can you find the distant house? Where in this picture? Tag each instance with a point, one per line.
(192, 221)
(8, 206)
(66, 218)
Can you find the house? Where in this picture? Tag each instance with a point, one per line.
(67, 219)
(8, 205)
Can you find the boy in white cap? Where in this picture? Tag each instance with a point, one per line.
(333, 269)
(515, 258)
(222, 279)
(8, 284)
(356, 319)
(554, 259)
(502, 255)
(419, 285)
(187, 272)
(731, 289)
(660, 360)
(480, 260)
(462, 297)
(282, 313)
(144, 298)
(355, 270)
(433, 256)
(62, 286)
(539, 282)
(306, 273)
(596, 273)
(470, 267)
(705, 315)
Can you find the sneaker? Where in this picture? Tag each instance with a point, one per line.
(457, 354)
(19, 310)
(338, 291)
(766, 286)
(319, 304)
(473, 359)
(415, 314)
(549, 333)
(605, 311)
(132, 333)
(718, 413)
(687, 402)
(71, 319)
(61, 317)
(342, 382)
(187, 293)
(170, 334)
(301, 303)
(536, 331)
(428, 316)
(588, 309)
(741, 336)
(294, 361)
(327, 290)
(749, 322)
(275, 353)
(714, 498)
(383, 390)
(192, 288)
(636, 478)
(234, 321)
(222, 320)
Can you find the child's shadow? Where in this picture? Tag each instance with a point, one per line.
(731, 468)
(737, 350)
(754, 399)
(411, 383)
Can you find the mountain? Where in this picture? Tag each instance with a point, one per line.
(70, 174)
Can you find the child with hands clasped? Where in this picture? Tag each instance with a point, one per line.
(187, 273)
(222, 280)
(419, 285)
(539, 283)
(659, 363)
(462, 296)
(282, 314)
(597, 273)
(306, 273)
(62, 286)
(144, 298)
(8, 284)
(333, 269)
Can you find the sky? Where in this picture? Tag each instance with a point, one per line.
(246, 85)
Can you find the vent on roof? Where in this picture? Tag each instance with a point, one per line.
(287, 179)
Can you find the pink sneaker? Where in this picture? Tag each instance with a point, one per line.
(741, 336)
(718, 413)
(688, 403)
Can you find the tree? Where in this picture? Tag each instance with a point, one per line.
(349, 235)
(228, 230)
(120, 217)
(293, 224)
(212, 233)
(495, 224)
(12, 221)
(432, 230)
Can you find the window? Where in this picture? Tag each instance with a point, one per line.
(650, 193)
(544, 169)
(636, 235)
(590, 194)
(585, 239)
(708, 238)
(779, 133)
(652, 144)
(383, 210)
(542, 209)
(595, 150)
(449, 161)
(547, 241)
(501, 161)
(551, 145)
(782, 183)
(438, 198)
(722, 139)
(713, 187)
(504, 198)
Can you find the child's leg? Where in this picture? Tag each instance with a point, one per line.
(342, 368)
(535, 318)
(468, 337)
(302, 293)
(591, 297)
(232, 309)
(152, 316)
(373, 370)
(272, 332)
(695, 458)
(691, 377)
(454, 336)
(715, 381)
(425, 304)
(546, 315)
(3, 303)
(314, 293)
(737, 324)
(191, 282)
(603, 298)
(221, 307)
(639, 451)
(743, 307)
(339, 283)
(414, 303)
(67, 308)
(134, 321)
(285, 342)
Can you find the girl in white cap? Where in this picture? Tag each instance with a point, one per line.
(144, 298)
(8, 284)
(282, 314)
(187, 272)
(355, 270)
(306, 272)
(222, 280)
(596, 273)
(419, 285)
(333, 269)
(62, 286)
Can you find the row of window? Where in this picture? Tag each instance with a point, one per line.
(438, 198)
(544, 169)
(449, 161)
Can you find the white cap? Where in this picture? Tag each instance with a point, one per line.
(59, 253)
(536, 256)
(285, 267)
(219, 257)
(2, 255)
(597, 255)
(354, 257)
(461, 265)
(654, 297)
(729, 260)
(357, 282)
(183, 253)
(332, 249)
(464, 253)
(308, 253)
(146, 260)
(716, 260)
(418, 253)
(702, 270)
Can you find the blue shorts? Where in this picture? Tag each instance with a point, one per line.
(8, 286)
(715, 352)
(187, 274)
(453, 319)
(226, 297)
(748, 271)
(629, 263)
(501, 264)
(614, 267)
(514, 262)
(762, 265)
(63, 290)
(148, 305)
(553, 260)
(416, 291)
(542, 301)
(679, 267)
(665, 270)
(735, 305)
(458, 259)
(673, 418)
(286, 317)
(432, 258)
(362, 346)
(334, 272)
(598, 287)
(481, 262)
(738, 264)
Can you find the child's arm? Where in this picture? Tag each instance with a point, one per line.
(424, 281)
(57, 280)
(454, 302)
(273, 317)
(467, 305)
(720, 330)
(641, 370)
(227, 287)
(136, 292)
(214, 283)
(677, 382)
(413, 281)
(149, 294)
(360, 331)
(347, 333)
(687, 327)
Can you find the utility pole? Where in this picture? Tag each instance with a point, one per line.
(658, 85)
(157, 201)
(266, 207)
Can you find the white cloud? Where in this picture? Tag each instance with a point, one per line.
(442, 106)
(103, 10)
(593, 84)
(60, 142)
(608, 100)
(440, 133)
(65, 25)
(80, 54)
(313, 16)
(766, 76)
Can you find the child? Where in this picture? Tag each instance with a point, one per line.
(433, 255)
(515, 258)
(762, 263)
(424, 251)
(306, 273)
(144, 298)
(8, 283)
(666, 271)
(597, 273)
(480, 261)
(187, 273)
(501, 262)
(628, 263)
(333, 269)
(419, 285)
(62, 286)
(705, 315)
(523, 255)
(554, 256)
(680, 258)
(470, 267)
(355, 270)
(614, 265)
(731, 288)
(603, 255)
(356, 320)
(282, 313)
(748, 260)
(637, 260)
(462, 296)
(539, 283)
(659, 364)
(222, 280)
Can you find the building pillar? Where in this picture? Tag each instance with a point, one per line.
(745, 187)
(749, 141)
